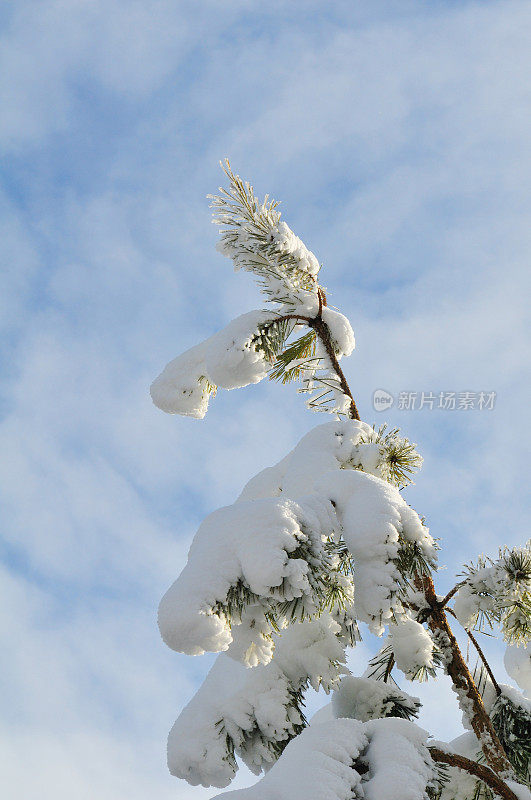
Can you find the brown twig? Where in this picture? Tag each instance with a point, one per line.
(473, 768)
(322, 300)
(481, 654)
(321, 329)
(301, 317)
(450, 594)
(457, 669)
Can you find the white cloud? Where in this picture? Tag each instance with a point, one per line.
(20, 263)
(398, 140)
(50, 51)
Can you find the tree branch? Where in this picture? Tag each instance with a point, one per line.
(450, 594)
(473, 768)
(458, 671)
(456, 666)
(322, 331)
(481, 654)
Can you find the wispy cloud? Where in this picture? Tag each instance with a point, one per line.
(397, 137)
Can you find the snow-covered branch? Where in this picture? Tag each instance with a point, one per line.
(505, 789)
(313, 545)
(346, 759)
(254, 713)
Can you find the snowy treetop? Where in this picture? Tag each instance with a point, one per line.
(279, 581)
(264, 343)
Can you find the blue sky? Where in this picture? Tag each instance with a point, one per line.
(396, 135)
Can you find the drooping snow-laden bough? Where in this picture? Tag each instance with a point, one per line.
(278, 581)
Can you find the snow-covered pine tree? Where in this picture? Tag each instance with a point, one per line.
(277, 581)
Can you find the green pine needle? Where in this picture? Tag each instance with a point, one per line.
(399, 459)
(411, 560)
(248, 229)
(303, 349)
(381, 665)
(507, 593)
(513, 726)
(517, 564)
(271, 337)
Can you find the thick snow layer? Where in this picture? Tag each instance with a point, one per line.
(374, 515)
(467, 606)
(517, 662)
(311, 651)
(372, 512)
(367, 457)
(251, 707)
(516, 697)
(340, 331)
(246, 560)
(412, 647)
(228, 359)
(231, 358)
(399, 763)
(267, 483)
(254, 708)
(287, 242)
(522, 792)
(320, 764)
(317, 765)
(197, 748)
(182, 387)
(248, 543)
(342, 444)
(252, 643)
(325, 714)
(326, 447)
(365, 698)
(334, 445)
(247, 548)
